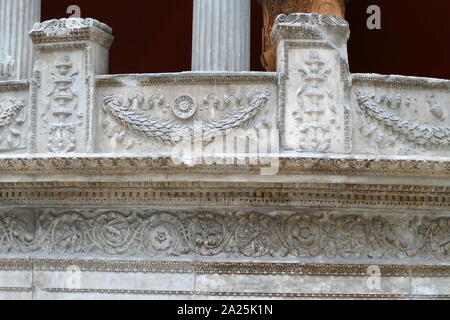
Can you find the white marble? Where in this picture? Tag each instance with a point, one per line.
(17, 18)
(221, 35)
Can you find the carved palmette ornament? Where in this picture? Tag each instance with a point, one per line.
(412, 132)
(143, 233)
(170, 133)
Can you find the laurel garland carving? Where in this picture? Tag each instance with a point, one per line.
(240, 234)
(171, 133)
(11, 137)
(413, 132)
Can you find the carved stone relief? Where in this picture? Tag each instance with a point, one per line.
(311, 95)
(317, 121)
(156, 117)
(62, 116)
(300, 234)
(12, 124)
(402, 122)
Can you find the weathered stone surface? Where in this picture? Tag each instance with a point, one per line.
(14, 117)
(351, 200)
(314, 83)
(70, 53)
(399, 115)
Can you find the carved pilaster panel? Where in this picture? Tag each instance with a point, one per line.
(316, 110)
(70, 53)
(314, 107)
(61, 106)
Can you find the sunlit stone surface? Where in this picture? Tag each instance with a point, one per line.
(307, 182)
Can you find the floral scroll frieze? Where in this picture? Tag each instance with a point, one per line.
(303, 234)
(395, 128)
(137, 115)
(12, 120)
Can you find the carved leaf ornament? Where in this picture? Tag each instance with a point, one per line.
(413, 132)
(171, 133)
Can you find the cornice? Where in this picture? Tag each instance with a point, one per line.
(293, 164)
(399, 82)
(186, 78)
(225, 194)
(71, 30)
(242, 268)
(7, 86)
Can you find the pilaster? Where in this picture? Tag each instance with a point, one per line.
(70, 53)
(314, 83)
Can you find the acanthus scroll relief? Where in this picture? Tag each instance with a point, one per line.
(12, 120)
(61, 117)
(140, 116)
(389, 129)
(300, 234)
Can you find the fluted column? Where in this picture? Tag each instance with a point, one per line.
(221, 35)
(17, 18)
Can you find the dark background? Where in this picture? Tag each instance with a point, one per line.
(155, 36)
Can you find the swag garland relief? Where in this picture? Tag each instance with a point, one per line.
(61, 117)
(135, 119)
(299, 234)
(399, 121)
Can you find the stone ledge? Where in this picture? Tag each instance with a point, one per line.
(183, 78)
(397, 81)
(349, 165)
(249, 268)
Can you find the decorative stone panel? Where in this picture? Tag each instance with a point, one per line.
(14, 117)
(396, 115)
(314, 87)
(70, 53)
(168, 114)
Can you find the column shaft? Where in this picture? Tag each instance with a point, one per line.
(221, 35)
(17, 18)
